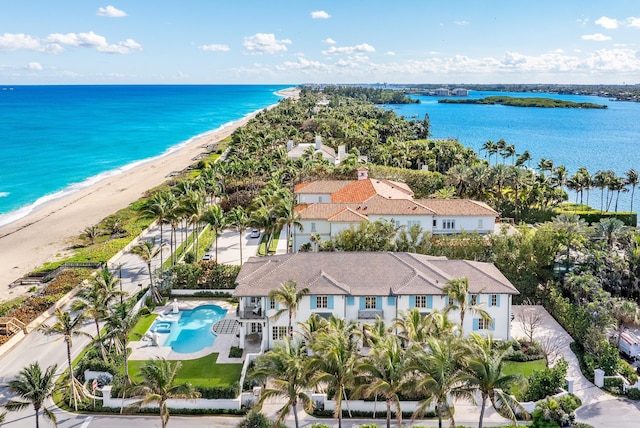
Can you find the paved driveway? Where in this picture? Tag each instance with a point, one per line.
(598, 408)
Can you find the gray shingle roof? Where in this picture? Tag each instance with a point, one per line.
(367, 274)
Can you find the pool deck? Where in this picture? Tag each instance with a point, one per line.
(145, 350)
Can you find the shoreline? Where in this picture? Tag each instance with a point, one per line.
(48, 231)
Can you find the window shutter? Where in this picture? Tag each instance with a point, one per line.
(492, 325)
(350, 301)
(429, 302)
(330, 302)
(267, 303)
(470, 297)
(391, 301)
(362, 303)
(446, 300)
(314, 302)
(497, 300)
(378, 302)
(412, 301)
(476, 324)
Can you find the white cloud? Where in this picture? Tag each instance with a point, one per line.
(111, 12)
(633, 22)
(12, 42)
(583, 21)
(461, 22)
(608, 23)
(265, 43)
(329, 41)
(93, 41)
(598, 37)
(391, 53)
(320, 14)
(214, 48)
(434, 52)
(364, 47)
(34, 66)
(55, 43)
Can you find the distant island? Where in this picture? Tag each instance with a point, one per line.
(522, 102)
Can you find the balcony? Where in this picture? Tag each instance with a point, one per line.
(250, 312)
(370, 314)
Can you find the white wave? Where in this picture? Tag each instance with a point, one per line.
(24, 211)
(3, 194)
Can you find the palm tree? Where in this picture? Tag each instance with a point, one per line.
(385, 372)
(412, 326)
(34, 387)
(193, 209)
(490, 147)
(158, 385)
(485, 375)
(316, 239)
(335, 356)
(92, 232)
(147, 251)
(609, 230)
(289, 296)
(460, 300)
(440, 376)
(288, 216)
(573, 230)
(239, 219)
(214, 216)
(119, 324)
(632, 180)
(624, 312)
(96, 299)
(159, 207)
(284, 369)
(67, 327)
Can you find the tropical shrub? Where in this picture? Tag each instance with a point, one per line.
(633, 394)
(255, 420)
(546, 382)
(235, 352)
(614, 385)
(523, 350)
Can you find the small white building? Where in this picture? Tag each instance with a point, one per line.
(328, 153)
(441, 92)
(460, 92)
(362, 286)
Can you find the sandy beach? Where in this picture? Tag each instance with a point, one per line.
(47, 234)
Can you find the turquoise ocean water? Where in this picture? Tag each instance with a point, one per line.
(594, 138)
(57, 139)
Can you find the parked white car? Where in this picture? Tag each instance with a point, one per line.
(255, 233)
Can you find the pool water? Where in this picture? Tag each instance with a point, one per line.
(191, 331)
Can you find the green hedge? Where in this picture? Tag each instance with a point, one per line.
(594, 216)
(214, 392)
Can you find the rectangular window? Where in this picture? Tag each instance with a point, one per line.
(479, 223)
(397, 224)
(272, 304)
(319, 198)
(483, 324)
(256, 327)
(322, 302)
(278, 332)
(494, 300)
(313, 227)
(411, 223)
(473, 299)
(370, 302)
(448, 224)
(421, 301)
(435, 223)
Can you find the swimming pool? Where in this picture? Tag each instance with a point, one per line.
(191, 330)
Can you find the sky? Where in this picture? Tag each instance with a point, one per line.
(305, 41)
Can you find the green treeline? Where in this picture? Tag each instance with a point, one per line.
(522, 102)
(372, 95)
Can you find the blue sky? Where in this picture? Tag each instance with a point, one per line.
(299, 41)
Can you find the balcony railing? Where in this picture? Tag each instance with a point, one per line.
(250, 312)
(370, 314)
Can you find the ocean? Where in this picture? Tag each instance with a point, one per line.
(597, 139)
(58, 139)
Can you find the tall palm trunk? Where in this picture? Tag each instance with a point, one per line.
(388, 413)
(72, 384)
(295, 414)
(484, 402)
(37, 416)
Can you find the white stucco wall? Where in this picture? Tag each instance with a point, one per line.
(312, 198)
(480, 224)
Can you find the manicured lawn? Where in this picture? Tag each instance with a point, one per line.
(525, 369)
(142, 326)
(200, 372)
(272, 248)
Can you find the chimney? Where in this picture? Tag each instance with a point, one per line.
(318, 142)
(289, 145)
(363, 173)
